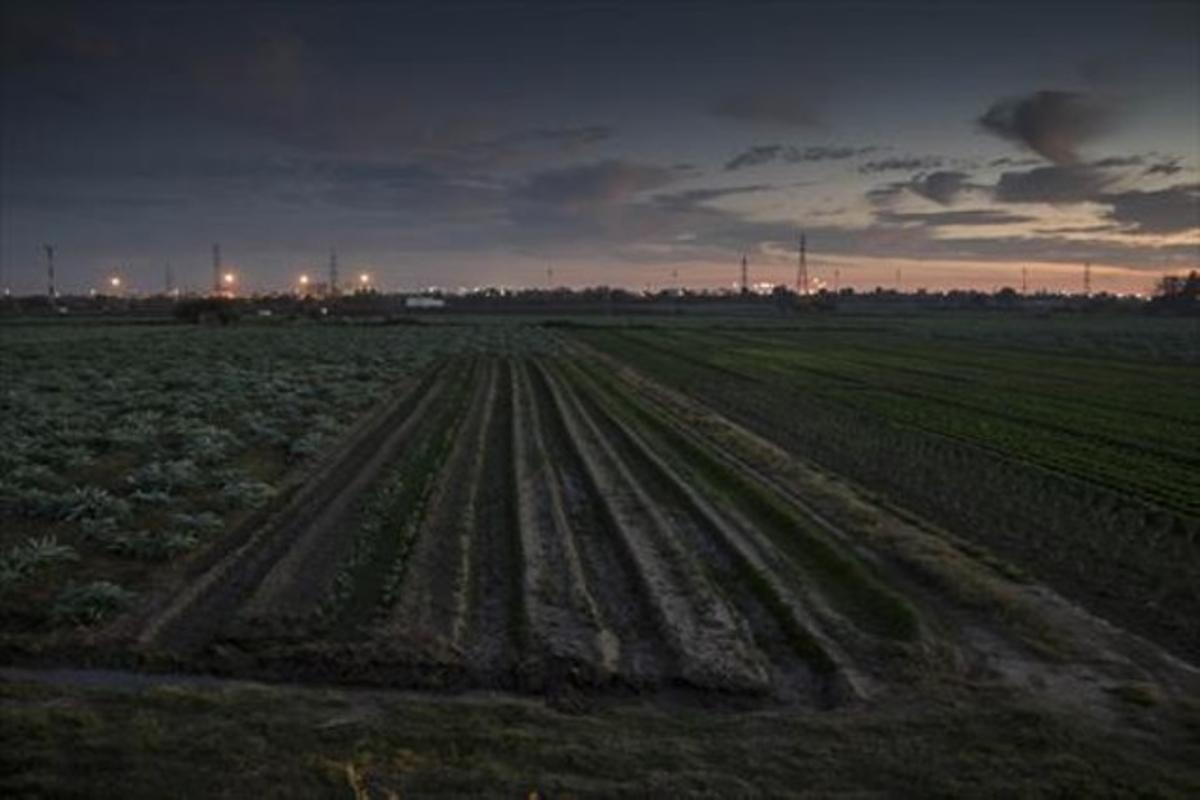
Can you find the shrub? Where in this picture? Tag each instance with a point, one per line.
(23, 560)
(90, 603)
(246, 493)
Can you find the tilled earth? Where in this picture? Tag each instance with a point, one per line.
(560, 525)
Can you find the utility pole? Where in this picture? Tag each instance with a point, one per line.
(1024, 280)
(216, 287)
(169, 279)
(549, 278)
(837, 280)
(745, 276)
(333, 273)
(1087, 279)
(50, 290)
(802, 269)
(899, 284)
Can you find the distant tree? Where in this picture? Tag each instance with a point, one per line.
(207, 309)
(1178, 294)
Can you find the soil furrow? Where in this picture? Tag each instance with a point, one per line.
(431, 599)
(376, 570)
(625, 602)
(565, 629)
(494, 630)
(712, 640)
(804, 656)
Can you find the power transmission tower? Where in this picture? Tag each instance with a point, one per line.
(1087, 279)
(50, 290)
(333, 273)
(745, 276)
(1024, 280)
(837, 281)
(216, 287)
(802, 269)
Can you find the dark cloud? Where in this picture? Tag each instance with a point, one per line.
(1101, 228)
(776, 108)
(766, 153)
(902, 164)
(603, 183)
(1171, 210)
(941, 219)
(1008, 161)
(1052, 124)
(943, 187)
(1055, 184)
(1118, 161)
(1166, 166)
(49, 34)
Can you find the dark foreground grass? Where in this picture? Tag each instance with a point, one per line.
(257, 742)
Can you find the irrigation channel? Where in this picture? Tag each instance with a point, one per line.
(542, 522)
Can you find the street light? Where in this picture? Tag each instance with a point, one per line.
(115, 281)
(364, 279)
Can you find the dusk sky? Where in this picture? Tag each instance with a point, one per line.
(460, 144)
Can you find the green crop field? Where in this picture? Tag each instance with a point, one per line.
(1075, 455)
(656, 538)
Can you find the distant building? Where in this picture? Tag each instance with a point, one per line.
(424, 302)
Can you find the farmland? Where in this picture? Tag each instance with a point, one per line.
(818, 518)
(1004, 444)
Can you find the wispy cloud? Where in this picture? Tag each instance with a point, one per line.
(902, 164)
(767, 153)
(941, 219)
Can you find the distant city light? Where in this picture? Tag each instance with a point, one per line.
(364, 278)
(115, 281)
(227, 277)
(304, 280)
